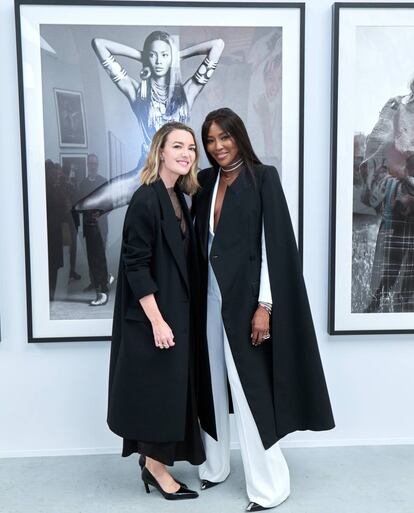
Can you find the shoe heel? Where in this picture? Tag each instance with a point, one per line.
(147, 489)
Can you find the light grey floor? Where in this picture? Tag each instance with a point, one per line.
(328, 480)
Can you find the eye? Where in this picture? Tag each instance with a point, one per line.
(192, 148)
(210, 141)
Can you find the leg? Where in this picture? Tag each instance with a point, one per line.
(266, 471)
(97, 259)
(217, 465)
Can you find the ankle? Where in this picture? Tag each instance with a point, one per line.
(155, 467)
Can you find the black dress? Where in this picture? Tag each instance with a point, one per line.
(191, 448)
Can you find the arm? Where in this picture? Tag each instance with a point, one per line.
(163, 336)
(137, 250)
(213, 50)
(105, 51)
(261, 318)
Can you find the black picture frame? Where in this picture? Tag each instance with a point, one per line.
(369, 286)
(34, 46)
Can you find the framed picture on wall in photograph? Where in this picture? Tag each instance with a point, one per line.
(71, 118)
(88, 66)
(74, 167)
(372, 208)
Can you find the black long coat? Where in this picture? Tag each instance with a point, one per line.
(148, 386)
(283, 378)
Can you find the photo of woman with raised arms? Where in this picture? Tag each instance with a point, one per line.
(256, 318)
(158, 98)
(152, 398)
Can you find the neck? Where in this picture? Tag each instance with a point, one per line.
(233, 166)
(168, 178)
(160, 81)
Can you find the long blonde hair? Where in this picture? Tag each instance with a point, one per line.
(150, 172)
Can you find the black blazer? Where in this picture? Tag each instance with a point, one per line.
(147, 386)
(282, 378)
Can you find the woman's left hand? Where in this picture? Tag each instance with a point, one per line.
(260, 326)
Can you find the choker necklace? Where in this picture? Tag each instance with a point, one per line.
(232, 167)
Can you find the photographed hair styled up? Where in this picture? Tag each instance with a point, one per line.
(233, 125)
(150, 172)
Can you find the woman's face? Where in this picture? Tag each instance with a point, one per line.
(178, 154)
(221, 146)
(159, 58)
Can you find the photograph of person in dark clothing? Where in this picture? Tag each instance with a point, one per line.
(95, 232)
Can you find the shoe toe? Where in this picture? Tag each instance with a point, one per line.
(206, 484)
(253, 506)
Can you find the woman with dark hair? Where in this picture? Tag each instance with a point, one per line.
(159, 97)
(256, 315)
(152, 402)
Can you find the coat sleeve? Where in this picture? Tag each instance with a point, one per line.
(137, 248)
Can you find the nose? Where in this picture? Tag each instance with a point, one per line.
(218, 145)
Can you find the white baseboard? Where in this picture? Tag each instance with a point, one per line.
(79, 451)
(286, 444)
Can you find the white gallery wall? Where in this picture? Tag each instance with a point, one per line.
(53, 396)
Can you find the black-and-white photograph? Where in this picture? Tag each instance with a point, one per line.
(381, 200)
(131, 79)
(71, 118)
(116, 155)
(74, 166)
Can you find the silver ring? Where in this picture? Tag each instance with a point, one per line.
(265, 337)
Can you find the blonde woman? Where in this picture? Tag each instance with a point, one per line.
(152, 402)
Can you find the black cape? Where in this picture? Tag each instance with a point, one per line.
(283, 379)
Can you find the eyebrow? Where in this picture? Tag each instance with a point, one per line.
(180, 142)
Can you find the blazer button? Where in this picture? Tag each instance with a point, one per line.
(215, 256)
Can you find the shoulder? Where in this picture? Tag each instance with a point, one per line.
(204, 175)
(143, 202)
(393, 103)
(266, 173)
(144, 193)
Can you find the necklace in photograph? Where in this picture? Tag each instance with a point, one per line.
(159, 97)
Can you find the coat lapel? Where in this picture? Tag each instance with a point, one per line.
(203, 209)
(171, 229)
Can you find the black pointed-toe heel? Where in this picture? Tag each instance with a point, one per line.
(141, 462)
(253, 506)
(181, 494)
(206, 484)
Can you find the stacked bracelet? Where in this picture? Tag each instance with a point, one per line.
(266, 306)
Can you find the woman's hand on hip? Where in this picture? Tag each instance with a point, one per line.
(260, 326)
(163, 336)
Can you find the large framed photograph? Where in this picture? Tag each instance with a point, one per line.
(87, 78)
(372, 214)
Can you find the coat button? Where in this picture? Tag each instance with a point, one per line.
(215, 256)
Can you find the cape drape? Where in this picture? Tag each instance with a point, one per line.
(283, 379)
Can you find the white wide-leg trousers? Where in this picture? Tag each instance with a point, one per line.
(266, 471)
